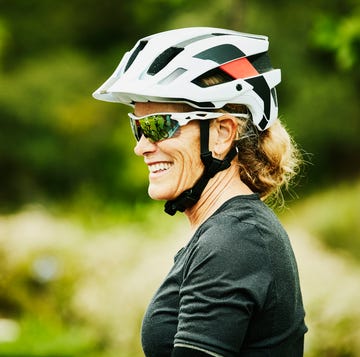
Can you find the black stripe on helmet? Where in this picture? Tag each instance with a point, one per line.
(221, 54)
(261, 88)
(261, 62)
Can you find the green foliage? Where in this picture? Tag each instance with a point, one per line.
(41, 337)
(37, 282)
(325, 235)
(73, 289)
(340, 36)
(333, 217)
(56, 140)
(58, 144)
(80, 290)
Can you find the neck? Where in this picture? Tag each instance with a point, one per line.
(223, 186)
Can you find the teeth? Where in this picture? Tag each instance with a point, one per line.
(159, 167)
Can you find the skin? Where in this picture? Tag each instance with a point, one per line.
(180, 156)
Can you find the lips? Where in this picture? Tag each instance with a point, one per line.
(159, 167)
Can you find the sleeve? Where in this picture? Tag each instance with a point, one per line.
(225, 281)
(188, 352)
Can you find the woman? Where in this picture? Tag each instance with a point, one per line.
(205, 121)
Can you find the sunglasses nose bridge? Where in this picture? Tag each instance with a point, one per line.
(144, 146)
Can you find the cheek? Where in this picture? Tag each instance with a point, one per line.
(194, 156)
(192, 164)
(191, 154)
(185, 152)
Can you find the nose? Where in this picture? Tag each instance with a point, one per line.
(144, 146)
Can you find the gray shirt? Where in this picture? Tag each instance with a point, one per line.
(233, 290)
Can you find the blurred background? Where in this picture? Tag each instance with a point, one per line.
(82, 248)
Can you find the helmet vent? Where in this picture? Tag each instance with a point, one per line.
(139, 48)
(172, 76)
(163, 59)
(213, 77)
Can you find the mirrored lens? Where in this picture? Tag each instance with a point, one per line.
(154, 127)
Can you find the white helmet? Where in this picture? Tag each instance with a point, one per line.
(170, 66)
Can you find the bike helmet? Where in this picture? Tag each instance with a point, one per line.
(174, 66)
(171, 67)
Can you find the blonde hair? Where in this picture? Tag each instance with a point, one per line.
(268, 160)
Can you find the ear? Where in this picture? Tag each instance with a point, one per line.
(225, 128)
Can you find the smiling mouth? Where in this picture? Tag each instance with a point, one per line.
(159, 167)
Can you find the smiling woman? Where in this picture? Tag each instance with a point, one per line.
(180, 155)
(205, 121)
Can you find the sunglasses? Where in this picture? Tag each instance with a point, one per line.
(161, 126)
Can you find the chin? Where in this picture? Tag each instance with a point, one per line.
(160, 194)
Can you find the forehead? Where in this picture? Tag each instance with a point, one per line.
(142, 109)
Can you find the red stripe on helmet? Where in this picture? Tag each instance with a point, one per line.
(240, 68)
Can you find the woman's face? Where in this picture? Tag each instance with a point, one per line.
(174, 164)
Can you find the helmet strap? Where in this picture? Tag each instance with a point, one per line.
(212, 166)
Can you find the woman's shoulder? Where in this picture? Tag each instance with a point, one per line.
(241, 222)
(231, 243)
(241, 213)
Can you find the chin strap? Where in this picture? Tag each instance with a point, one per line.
(212, 166)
